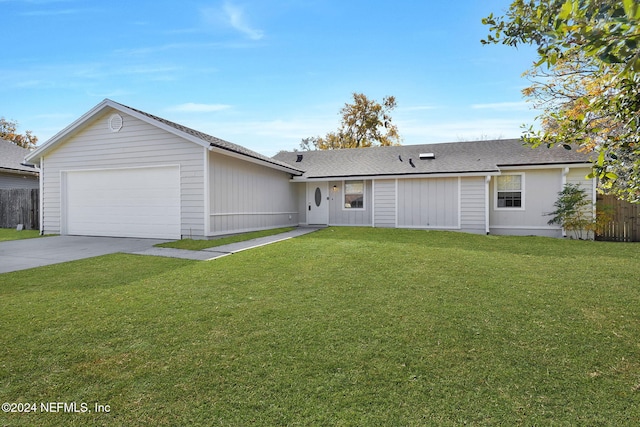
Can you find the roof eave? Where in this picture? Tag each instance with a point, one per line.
(38, 153)
(107, 103)
(246, 157)
(399, 175)
(34, 172)
(581, 163)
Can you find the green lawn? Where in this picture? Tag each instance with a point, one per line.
(197, 245)
(12, 234)
(341, 327)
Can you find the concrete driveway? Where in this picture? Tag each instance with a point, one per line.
(29, 253)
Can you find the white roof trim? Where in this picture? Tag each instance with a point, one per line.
(398, 176)
(547, 166)
(107, 103)
(253, 160)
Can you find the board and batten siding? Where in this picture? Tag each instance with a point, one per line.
(473, 200)
(137, 144)
(429, 203)
(245, 196)
(384, 196)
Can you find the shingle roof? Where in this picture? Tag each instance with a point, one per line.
(11, 157)
(450, 158)
(213, 141)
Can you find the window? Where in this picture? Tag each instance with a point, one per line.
(509, 189)
(354, 195)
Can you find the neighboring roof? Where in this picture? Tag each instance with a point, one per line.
(11, 159)
(175, 128)
(449, 158)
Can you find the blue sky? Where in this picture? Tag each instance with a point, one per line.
(263, 73)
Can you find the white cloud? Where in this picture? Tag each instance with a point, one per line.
(234, 16)
(238, 21)
(191, 107)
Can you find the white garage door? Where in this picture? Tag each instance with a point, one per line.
(137, 202)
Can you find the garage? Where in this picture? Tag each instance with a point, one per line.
(128, 202)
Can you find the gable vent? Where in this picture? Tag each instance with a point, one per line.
(115, 122)
(427, 156)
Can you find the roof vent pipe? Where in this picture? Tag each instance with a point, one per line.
(299, 159)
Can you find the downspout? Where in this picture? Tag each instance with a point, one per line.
(487, 201)
(594, 200)
(373, 202)
(207, 194)
(41, 196)
(565, 172)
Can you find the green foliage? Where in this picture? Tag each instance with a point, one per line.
(13, 234)
(365, 123)
(574, 211)
(9, 132)
(605, 34)
(445, 329)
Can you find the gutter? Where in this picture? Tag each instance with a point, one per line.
(398, 175)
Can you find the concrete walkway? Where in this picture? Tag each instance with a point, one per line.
(30, 253)
(224, 250)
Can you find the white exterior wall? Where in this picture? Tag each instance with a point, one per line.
(301, 196)
(579, 176)
(541, 187)
(384, 198)
(338, 215)
(429, 203)
(245, 196)
(137, 144)
(473, 205)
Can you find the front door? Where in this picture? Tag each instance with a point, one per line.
(317, 203)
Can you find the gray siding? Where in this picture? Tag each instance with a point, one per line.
(385, 203)
(301, 197)
(137, 144)
(245, 196)
(428, 203)
(541, 187)
(472, 204)
(338, 215)
(14, 180)
(579, 176)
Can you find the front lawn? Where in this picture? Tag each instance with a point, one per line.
(197, 245)
(343, 326)
(12, 234)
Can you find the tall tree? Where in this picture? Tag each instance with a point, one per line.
(588, 85)
(9, 132)
(365, 123)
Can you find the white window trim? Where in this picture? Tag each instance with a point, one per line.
(522, 193)
(364, 195)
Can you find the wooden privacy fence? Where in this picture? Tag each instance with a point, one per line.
(624, 225)
(20, 206)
